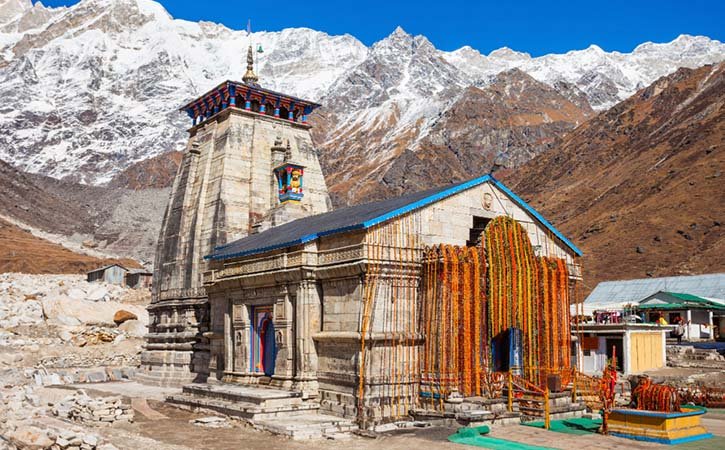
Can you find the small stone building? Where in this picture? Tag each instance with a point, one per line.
(139, 279)
(111, 274)
(329, 305)
(120, 275)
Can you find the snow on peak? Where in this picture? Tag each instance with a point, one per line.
(505, 53)
(118, 69)
(12, 9)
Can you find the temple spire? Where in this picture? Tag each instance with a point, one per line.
(249, 76)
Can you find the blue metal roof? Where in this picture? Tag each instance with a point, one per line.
(361, 217)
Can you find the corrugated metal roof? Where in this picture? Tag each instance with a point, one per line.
(101, 269)
(361, 217)
(615, 293)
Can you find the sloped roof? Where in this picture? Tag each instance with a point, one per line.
(361, 217)
(616, 293)
(678, 300)
(101, 269)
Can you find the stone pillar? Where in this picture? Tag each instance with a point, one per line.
(307, 323)
(284, 369)
(242, 330)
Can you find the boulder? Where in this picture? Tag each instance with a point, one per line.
(65, 335)
(122, 316)
(76, 294)
(97, 294)
(67, 320)
(134, 328)
(30, 438)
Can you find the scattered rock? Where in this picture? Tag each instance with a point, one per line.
(211, 422)
(133, 328)
(640, 249)
(65, 335)
(82, 408)
(67, 320)
(122, 316)
(89, 244)
(29, 438)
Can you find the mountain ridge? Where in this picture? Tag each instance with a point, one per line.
(118, 69)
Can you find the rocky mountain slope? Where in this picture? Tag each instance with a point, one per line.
(93, 222)
(91, 89)
(507, 122)
(640, 186)
(21, 251)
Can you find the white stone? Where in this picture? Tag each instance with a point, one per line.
(76, 294)
(97, 293)
(134, 328)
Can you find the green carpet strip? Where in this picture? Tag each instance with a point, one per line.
(576, 426)
(475, 436)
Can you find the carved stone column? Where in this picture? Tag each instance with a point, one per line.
(307, 323)
(283, 322)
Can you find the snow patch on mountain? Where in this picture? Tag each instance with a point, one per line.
(605, 77)
(90, 89)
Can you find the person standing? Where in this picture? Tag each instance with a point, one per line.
(680, 331)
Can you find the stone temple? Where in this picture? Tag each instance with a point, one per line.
(274, 305)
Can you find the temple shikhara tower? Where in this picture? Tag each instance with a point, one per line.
(249, 165)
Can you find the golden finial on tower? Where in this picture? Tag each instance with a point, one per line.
(250, 77)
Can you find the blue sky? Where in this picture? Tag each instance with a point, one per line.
(536, 27)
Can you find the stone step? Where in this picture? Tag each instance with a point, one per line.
(264, 397)
(309, 426)
(244, 410)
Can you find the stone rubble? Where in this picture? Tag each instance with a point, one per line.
(690, 356)
(80, 407)
(60, 330)
(29, 436)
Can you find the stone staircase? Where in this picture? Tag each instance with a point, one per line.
(275, 410)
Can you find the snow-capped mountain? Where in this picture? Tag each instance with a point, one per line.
(96, 87)
(605, 77)
(91, 89)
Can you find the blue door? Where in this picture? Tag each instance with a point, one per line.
(269, 355)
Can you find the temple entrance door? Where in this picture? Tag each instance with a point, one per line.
(264, 347)
(269, 354)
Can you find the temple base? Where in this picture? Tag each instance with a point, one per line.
(176, 352)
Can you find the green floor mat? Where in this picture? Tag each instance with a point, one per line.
(577, 426)
(472, 436)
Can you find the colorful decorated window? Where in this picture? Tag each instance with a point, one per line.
(289, 182)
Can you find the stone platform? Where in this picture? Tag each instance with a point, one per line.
(275, 410)
(475, 411)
